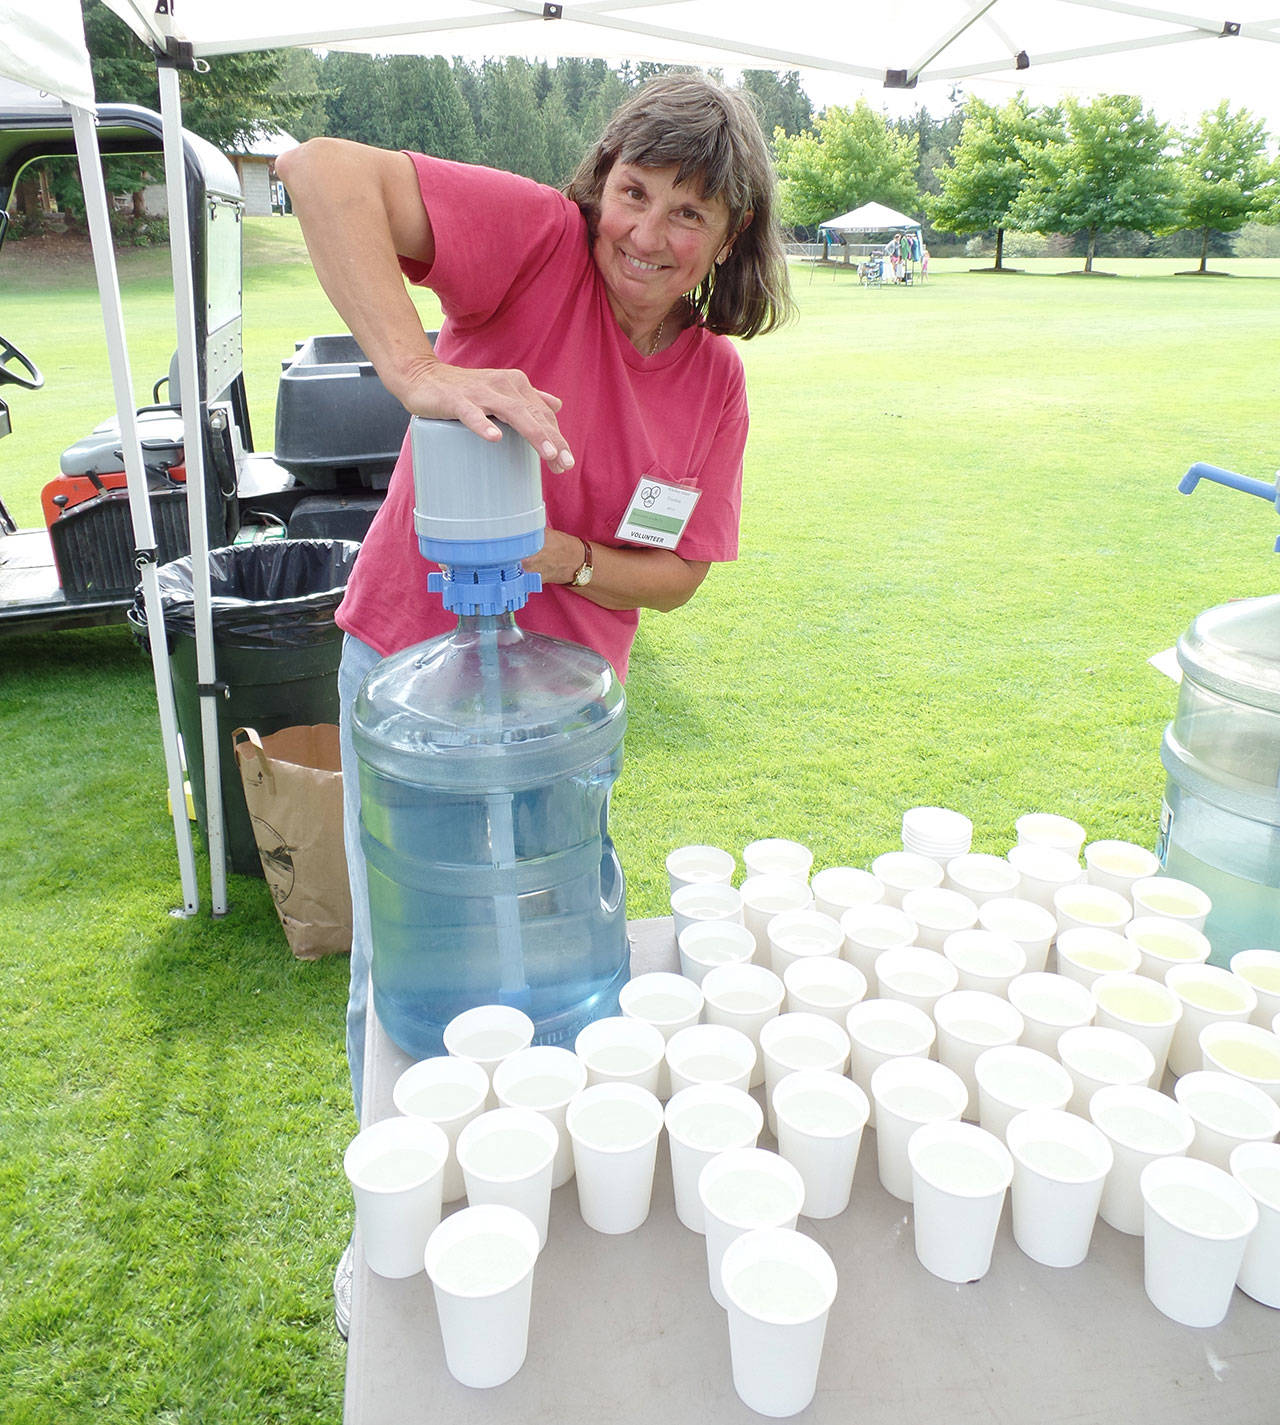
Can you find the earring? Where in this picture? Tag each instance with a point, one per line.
(720, 259)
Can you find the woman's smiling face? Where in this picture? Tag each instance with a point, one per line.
(656, 239)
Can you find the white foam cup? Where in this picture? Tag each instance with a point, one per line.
(824, 984)
(800, 934)
(1049, 1004)
(1226, 1112)
(959, 1176)
(1256, 1167)
(1209, 995)
(870, 930)
(742, 1189)
(743, 997)
(487, 1035)
(447, 1091)
(1245, 1050)
(480, 1262)
(837, 888)
(985, 960)
(1170, 898)
(763, 897)
(1046, 828)
(1141, 1125)
(1031, 925)
(396, 1171)
(703, 1121)
(915, 976)
(1087, 951)
(1097, 1057)
(1196, 1226)
(669, 1002)
(1260, 969)
(710, 1054)
(789, 1042)
(883, 1029)
(699, 864)
(1060, 1163)
(779, 1286)
(1059, 1166)
(1082, 904)
(508, 1157)
(615, 1129)
(1140, 1006)
(1165, 943)
(907, 1093)
(619, 1050)
(1041, 871)
(902, 871)
(778, 856)
(969, 1023)
(1116, 865)
(708, 943)
(544, 1078)
(704, 900)
(1013, 1079)
(981, 877)
(821, 1116)
(937, 913)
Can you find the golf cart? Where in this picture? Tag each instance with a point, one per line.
(338, 430)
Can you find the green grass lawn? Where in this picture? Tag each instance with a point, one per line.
(961, 542)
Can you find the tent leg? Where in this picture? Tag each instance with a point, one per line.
(135, 474)
(192, 407)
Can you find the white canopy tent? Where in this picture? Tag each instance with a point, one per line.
(869, 219)
(987, 46)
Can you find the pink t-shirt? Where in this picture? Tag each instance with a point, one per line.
(519, 288)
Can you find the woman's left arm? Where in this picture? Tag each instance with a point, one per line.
(620, 578)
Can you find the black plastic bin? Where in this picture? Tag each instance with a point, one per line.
(276, 648)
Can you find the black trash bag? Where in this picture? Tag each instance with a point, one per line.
(280, 593)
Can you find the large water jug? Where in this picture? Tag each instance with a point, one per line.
(1220, 827)
(486, 760)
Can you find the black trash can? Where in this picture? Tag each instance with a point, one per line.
(276, 650)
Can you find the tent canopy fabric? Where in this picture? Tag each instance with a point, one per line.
(870, 218)
(1195, 58)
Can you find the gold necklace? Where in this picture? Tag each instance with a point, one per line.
(657, 337)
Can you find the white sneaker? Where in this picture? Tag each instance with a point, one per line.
(342, 1290)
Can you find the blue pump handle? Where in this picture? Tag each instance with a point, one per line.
(1264, 491)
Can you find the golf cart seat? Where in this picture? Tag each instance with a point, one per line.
(159, 429)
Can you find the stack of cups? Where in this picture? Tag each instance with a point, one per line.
(936, 832)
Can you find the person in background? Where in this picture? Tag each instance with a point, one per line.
(595, 323)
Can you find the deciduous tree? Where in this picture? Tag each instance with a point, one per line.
(1227, 179)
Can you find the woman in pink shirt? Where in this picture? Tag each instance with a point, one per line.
(595, 324)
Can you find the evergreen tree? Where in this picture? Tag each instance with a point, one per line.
(781, 103)
(354, 88)
(511, 130)
(1227, 179)
(989, 167)
(850, 157)
(1109, 170)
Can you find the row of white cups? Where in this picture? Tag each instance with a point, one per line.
(858, 999)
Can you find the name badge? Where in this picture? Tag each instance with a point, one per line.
(657, 513)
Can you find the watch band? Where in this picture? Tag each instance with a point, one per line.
(582, 575)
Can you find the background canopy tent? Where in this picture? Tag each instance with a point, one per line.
(870, 218)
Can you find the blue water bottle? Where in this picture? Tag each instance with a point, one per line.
(486, 760)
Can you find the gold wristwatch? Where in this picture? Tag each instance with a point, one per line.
(582, 575)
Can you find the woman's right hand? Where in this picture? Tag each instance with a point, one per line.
(478, 396)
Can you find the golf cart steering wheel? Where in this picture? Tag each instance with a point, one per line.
(31, 381)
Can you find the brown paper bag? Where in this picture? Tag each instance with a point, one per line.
(293, 789)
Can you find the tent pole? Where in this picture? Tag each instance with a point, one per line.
(193, 442)
(136, 479)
